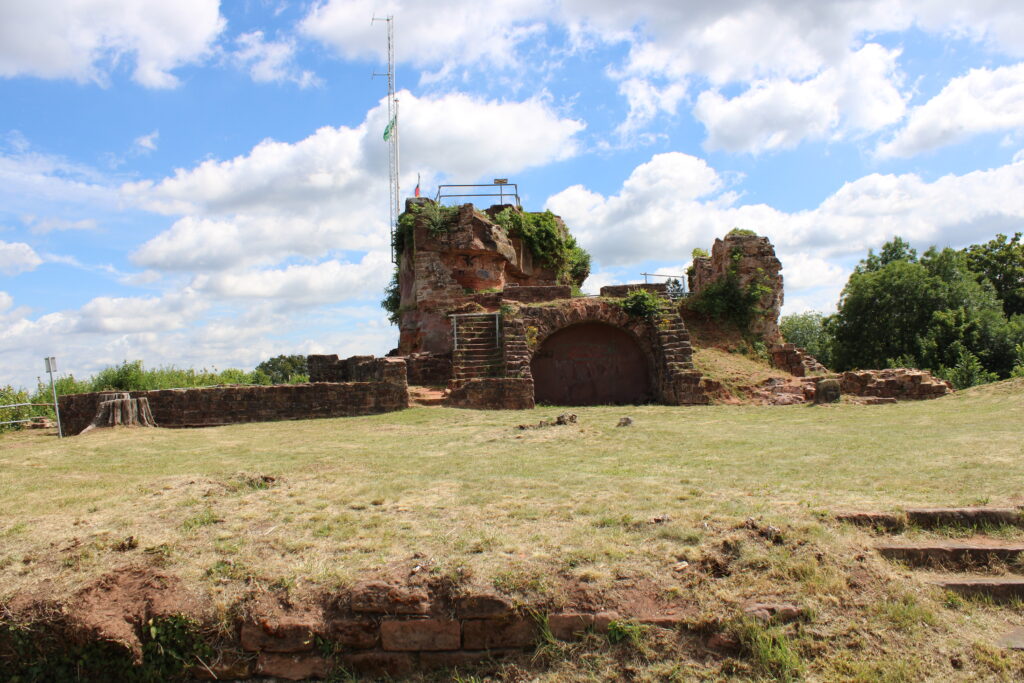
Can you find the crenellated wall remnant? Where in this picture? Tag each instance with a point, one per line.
(752, 259)
(795, 361)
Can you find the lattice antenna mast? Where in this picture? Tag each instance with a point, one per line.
(391, 134)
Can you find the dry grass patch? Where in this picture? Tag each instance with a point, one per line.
(704, 508)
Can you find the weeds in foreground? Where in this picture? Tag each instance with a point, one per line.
(769, 649)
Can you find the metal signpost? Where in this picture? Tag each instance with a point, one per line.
(51, 367)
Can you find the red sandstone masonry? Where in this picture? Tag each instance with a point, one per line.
(897, 383)
(216, 406)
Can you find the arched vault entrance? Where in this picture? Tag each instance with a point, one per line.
(590, 363)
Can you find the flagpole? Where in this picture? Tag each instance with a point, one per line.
(391, 136)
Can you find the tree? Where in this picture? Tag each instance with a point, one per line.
(807, 330)
(285, 369)
(896, 305)
(1001, 262)
(392, 300)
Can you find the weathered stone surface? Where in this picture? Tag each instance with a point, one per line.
(875, 520)
(415, 635)
(427, 369)
(214, 406)
(794, 360)
(287, 634)
(537, 294)
(354, 633)
(951, 554)
(490, 393)
(485, 634)
(293, 667)
(1014, 640)
(965, 517)
(999, 589)
(773, 612)
(380, 664)
(378, 597)
(482, 606)
(755, 261)
(898, 383)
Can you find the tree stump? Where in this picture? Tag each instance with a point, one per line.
(121, 410)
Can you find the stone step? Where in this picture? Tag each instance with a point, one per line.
(999, 589)
(959, 555)
(928, 518)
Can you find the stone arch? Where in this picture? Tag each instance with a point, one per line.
(590, 353)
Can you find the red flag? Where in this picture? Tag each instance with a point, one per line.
(417, 185)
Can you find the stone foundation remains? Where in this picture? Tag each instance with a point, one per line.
(895, 383)
(215, 406)
(795, 361)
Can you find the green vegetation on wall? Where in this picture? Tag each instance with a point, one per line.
(437, 218)
(642, 304)
(549, 243)
(392, 300)
(727, 300)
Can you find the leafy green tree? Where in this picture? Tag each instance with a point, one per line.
(392, 300)
(807, 330)
(284, 369)
(968, 371)
(1001, 262)
(897, 305)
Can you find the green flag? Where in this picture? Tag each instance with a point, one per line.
(387, 130)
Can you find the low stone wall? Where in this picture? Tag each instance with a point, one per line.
(214, 406)
(794, 360)
(387, 631)
(491, 393)
(536, 294)
(622, 291)
(356, 369)
(898, 383)
(427, 369)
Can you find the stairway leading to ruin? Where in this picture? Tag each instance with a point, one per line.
(478, 351)
(978, 565)
(674, 339)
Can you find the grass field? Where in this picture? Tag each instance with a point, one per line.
(318, 504)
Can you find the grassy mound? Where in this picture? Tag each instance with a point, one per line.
(705, 509)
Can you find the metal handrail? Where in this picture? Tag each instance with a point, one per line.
(500, 194)
(455, 327)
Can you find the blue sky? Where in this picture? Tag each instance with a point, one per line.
(205, 184)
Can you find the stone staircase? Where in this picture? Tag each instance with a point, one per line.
(673, 338)
(425, 396)
(479, 352)
(975, 566)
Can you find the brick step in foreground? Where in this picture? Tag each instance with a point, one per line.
(932, 518)
(425, 396)
(998, 589)
(953, 555)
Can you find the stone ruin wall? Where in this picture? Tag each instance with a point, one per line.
(757, 262)
(382, 390)
(451, 273)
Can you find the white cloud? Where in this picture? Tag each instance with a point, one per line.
(271, 62)
(310, 197)
(646, 101)
(146, 143)
(675, 202)
(982, 101)
(6, 302)
(44, 225)
(441, 35)
(327, 282)
(860, 95)
(85, 39)
(17, 257)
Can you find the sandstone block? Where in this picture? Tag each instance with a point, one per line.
(483, 606)
(293, 667)
(486, 634)
(286, 635)
(353, 633)
(378, 597)
(380, 664)
(415, 635)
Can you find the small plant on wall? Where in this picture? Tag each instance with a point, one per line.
(642, 304)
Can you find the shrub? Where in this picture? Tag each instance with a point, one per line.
(724, 299)
(9, 395)
(743, 232)
(968, 372)
(699, 253)
(642, 304)
(392, 300)
(549, 243)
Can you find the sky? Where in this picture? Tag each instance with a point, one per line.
(204, 184)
